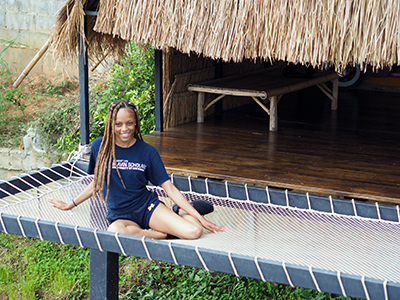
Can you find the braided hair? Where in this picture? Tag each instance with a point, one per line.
(106, 153)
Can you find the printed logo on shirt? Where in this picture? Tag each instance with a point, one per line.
(127, 165)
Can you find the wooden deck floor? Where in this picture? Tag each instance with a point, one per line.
(352, 153)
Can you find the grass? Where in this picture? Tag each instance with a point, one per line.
(35, 269)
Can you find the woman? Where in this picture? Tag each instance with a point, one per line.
(122, 164)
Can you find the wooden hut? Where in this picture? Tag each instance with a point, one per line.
(196, 37)
(199, 41)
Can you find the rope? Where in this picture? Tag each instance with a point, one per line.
(354, 207)
(268, 196)
(145, 248)
(398, 213)
(314, 279)
(190, 184)
(259, 269)
(59, 233)
(232, 264)
(119, 244)
(331, 203)
(287, 198)
(341, 284)
(78, 236)
(201, 259)
(247, 192)
(38, 229)
(385, 289)
(20, 226)
(287, 274)
(172, 252)
(365, 288)
(97, 240)
(378, 210)
(308, 201)
(2, 223)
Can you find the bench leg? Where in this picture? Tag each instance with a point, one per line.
(335, 94)
(273, 114)
(200, 107)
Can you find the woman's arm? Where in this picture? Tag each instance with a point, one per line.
(182, 202)
(82, 197)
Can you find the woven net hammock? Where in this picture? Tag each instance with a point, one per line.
(328, 241)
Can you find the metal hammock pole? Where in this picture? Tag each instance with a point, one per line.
(103, 265)
(84, 86)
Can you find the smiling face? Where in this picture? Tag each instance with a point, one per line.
(125, 126)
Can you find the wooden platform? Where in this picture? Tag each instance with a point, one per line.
(352, 152)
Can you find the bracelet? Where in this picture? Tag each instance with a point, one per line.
(74, 202)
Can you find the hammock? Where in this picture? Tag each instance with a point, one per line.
(343, 247)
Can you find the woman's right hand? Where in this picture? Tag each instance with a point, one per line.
(60, 204)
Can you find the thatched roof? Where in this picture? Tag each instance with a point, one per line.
(306, 31)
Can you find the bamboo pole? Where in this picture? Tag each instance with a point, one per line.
(32, 63)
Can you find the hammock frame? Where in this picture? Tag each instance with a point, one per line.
(105, 246)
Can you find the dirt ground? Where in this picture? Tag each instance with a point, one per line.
(35, 93)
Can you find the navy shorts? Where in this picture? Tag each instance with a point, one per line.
(140, 216)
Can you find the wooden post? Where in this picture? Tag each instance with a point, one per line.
(273, 115)
(200, 107)
(32, 63)
(103, 275)
(335, 94)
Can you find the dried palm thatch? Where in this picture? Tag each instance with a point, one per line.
(69, 25)
(301, 31)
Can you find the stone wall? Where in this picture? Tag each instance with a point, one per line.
(14, 162)
(29, 23)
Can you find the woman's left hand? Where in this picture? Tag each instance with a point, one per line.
(211, 226)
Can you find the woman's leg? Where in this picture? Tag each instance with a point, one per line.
(183, 225)
(130, 227)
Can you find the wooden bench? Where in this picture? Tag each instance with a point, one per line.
(266, 84)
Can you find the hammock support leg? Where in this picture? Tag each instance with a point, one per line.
(103, 275)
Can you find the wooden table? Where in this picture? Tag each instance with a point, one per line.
(268, 84)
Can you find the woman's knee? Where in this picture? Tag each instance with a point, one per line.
(115, 227)
(193, 232)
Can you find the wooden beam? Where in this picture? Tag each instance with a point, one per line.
(200, 107)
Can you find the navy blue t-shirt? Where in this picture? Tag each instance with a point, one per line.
(138, 165)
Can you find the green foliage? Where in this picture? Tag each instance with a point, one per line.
(58, 124)
(58, 86)
(8, 96)
(34, 269)
(3, 64)
(11, 100)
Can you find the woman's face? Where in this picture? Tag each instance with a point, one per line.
(125, 126)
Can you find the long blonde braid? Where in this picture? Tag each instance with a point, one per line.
(106, 153)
